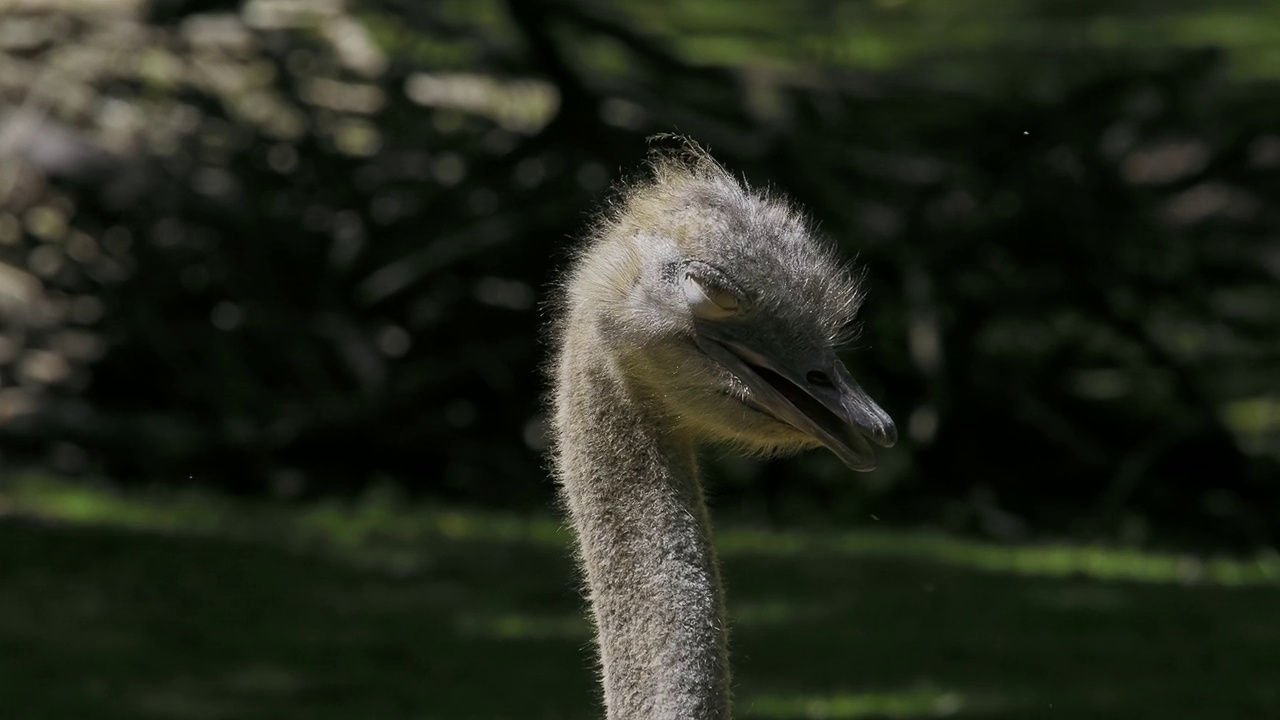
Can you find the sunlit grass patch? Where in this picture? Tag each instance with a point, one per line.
(922, 703)
(187, 512)
(378, 520)
(1059, 560)
(380, 527)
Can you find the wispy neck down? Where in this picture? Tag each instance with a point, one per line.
(636, 505)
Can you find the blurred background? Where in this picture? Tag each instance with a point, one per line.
(273, 285)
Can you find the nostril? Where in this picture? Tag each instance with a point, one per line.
(818, 378)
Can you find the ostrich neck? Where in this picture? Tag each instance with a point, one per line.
(630, 484)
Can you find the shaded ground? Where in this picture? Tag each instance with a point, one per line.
(186, 606)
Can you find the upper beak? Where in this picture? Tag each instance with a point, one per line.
(822, 401)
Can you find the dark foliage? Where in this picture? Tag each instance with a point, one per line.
(315, 260)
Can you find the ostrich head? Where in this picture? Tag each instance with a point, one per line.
(724, 309)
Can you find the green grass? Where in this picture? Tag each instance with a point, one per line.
(191, 605)
(919, 36)
(893, 34)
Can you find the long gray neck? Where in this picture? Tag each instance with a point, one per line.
(631, 488)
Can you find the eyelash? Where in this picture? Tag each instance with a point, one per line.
(714, 280)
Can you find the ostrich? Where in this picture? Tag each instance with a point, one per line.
(700, 311)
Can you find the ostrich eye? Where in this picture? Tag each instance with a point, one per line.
(708, 301)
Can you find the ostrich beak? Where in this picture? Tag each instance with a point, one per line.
(821, 400)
